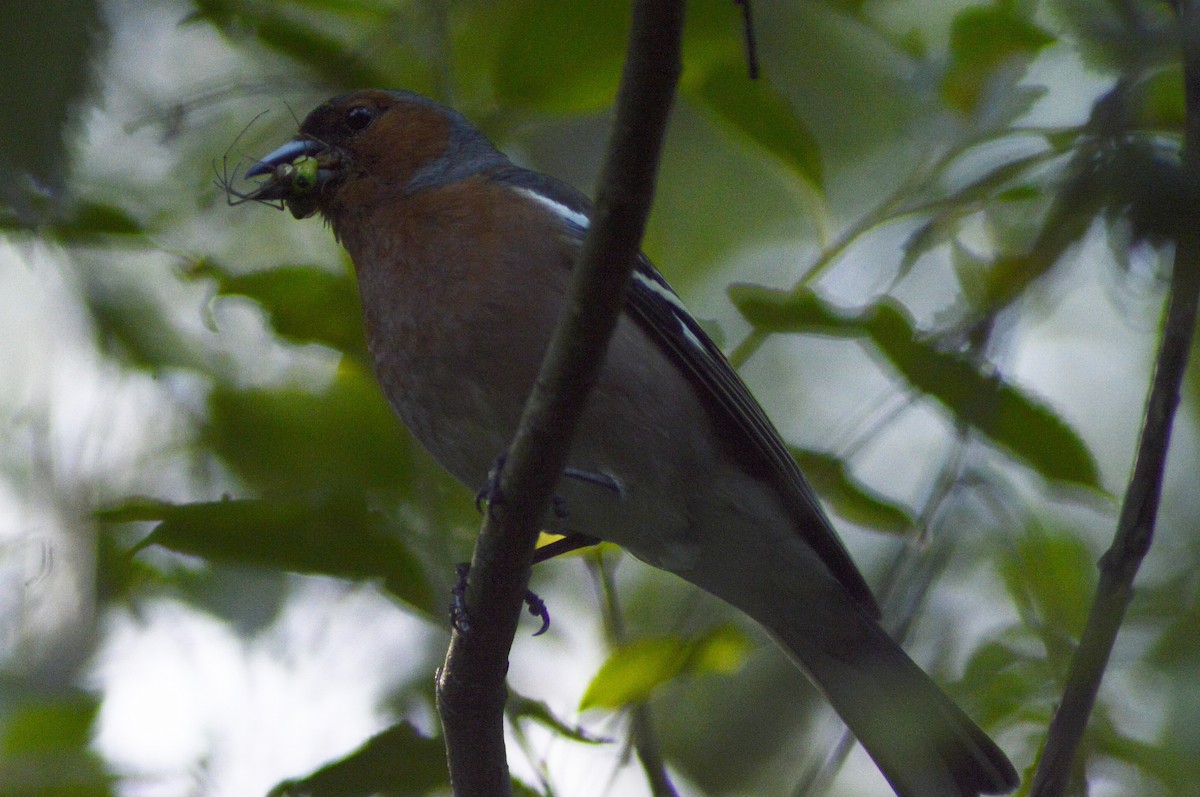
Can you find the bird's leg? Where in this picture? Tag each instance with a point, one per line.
(597, 478)
(490, 492)
(460, 619)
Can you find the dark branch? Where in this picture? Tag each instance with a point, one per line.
(749, 39)
(470, 688)
(1135, 529)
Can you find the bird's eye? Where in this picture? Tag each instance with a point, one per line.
(358, 117)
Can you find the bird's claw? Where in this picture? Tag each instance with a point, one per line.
(460, 620)
(537, 607)
(490, 492)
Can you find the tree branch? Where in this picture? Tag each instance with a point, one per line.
(470, 687)
(1135, 529)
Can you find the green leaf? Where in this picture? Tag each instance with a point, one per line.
(49, 725)
(756, 111)
(1002, 683)
(91, 220)
(309, 45)
(634, 671)
(1056, 574)
(1001, 411)
(986, 402)
(848, 497)
(336, 535)
(83, 222)
(305, 304)
(44, 746)
(520, 789)
(295, 441)
(775, 311)
(1160, 100)
(399, 762)
(521, 707)
(929, 236)
(993, 185)
(580, 44)
(1174, 606)
(721, 651)
(132, 326)
(983, 38)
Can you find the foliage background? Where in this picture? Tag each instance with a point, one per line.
(944, 221)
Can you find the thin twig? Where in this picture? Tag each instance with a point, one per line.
(748, 37)
(470, 687)
(641, 722)
(1135, 529)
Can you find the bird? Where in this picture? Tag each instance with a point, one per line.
(463, 260)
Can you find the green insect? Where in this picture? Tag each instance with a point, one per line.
(299, 176)
(304, 176)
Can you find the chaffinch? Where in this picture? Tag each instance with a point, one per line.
(463, 260)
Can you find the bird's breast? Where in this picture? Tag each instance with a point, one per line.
(456, 323)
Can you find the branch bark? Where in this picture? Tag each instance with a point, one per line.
(471, 683)
(1135, 529)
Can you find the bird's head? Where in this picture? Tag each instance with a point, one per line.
(369, 146)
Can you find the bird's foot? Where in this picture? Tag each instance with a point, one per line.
(460, 619)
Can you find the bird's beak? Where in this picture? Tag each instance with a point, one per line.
(288, 153)
(298, 171)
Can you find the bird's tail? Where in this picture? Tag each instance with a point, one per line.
(922, 742)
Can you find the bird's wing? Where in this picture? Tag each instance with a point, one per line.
(660, 312)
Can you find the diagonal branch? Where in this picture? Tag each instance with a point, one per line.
(470, 688)
(1135, 529)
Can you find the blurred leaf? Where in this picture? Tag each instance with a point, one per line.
(987, 188)
(580, 44)
(1001, 683)
(1161, 102)
(1110, 740)
(972, 272)
(1056, 574)
(520, 789)
(47, 52)
(634, 671)
(398, 762)
(983, 38)
(1174, 603)
(305, 304)
(49, 725)
(759, 113)
(310, 45)
(336, 536)
(1018, 422)
(521, 707)
(929, 236)
(132, 326)
(1119, 38)
(44, 747)
(781, 312)
(848, 497)
(717, 195)
(79, 223)
(294, 441)
(720, 651)
(89, 221)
